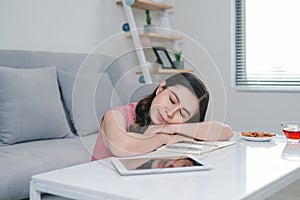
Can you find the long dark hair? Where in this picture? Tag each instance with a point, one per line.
(189, 81)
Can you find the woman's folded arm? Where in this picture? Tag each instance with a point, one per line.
(122, 143)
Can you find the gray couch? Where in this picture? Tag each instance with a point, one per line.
(50, 108)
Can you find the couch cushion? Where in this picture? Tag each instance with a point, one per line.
(87, 97)
(20, 161)
(30, 106)
(119, 70)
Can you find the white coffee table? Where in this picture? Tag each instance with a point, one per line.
(247, 170)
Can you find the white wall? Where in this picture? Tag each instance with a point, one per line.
(209, 22)
(58, 25)
(80, 25)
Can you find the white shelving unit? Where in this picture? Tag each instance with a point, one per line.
(135, 36)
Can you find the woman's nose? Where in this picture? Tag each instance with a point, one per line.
(172, 111)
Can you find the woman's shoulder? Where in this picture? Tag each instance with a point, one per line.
(128, 111)
(127, 107)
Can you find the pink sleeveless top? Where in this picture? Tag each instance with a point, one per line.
(100, 150)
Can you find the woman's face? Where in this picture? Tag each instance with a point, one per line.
(173, 105)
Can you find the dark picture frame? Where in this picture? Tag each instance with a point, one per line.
(163, 57)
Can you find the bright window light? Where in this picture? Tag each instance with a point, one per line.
(270, 42)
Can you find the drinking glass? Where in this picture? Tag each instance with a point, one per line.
(291, 130)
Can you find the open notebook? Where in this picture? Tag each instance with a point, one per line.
(197, 148)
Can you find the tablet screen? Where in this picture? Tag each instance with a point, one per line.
(158, 163)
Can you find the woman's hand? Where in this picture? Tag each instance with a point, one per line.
(162, 128)
(169, 133)
(208, 130)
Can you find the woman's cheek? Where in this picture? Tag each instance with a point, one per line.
(154, 111)
(176, 120)
(152, 115)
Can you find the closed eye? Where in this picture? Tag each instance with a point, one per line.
(172, 100)
(183, 113)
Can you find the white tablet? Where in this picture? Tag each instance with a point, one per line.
(153, 165)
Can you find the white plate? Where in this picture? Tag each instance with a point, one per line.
(258, 139)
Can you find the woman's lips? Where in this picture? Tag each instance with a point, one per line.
(160, 117)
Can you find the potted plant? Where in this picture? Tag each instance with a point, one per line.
(178, 63)
(148, 27)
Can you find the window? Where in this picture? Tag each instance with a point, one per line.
(267, 44)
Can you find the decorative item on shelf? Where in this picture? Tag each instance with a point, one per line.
(145, 41)
(148, 28)
(178, 63)
(164, 23)
(126, 27)
(163, 57)
(130, 2)
(142, 79)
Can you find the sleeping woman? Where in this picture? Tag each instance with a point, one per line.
(174, 112)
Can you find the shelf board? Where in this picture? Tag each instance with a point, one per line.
(168, 71)
(146, 4)
(159, 37)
